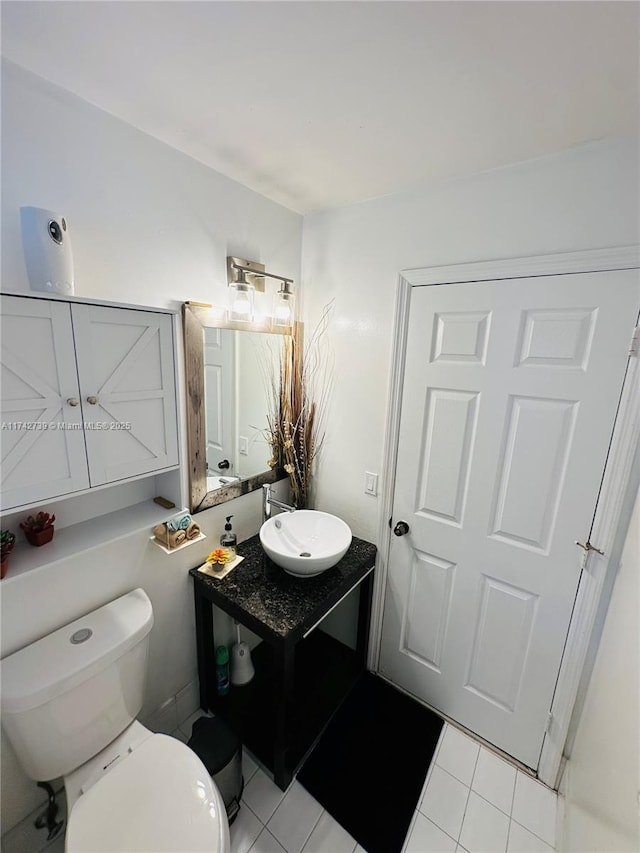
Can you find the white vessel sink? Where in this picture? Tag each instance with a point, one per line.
(305, 543)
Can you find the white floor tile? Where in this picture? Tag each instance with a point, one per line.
(186, 725)
(295, 818)
(409, 830)
(244, 830)
(485, 828)
(494, 780)
(432, 763)
(444, 801)
(327, 836)
(262, 795)
(426, 837)
(458, 755)
(443, 732)
(266, 843)
(534, 807)
(523, 841)
(249, 766)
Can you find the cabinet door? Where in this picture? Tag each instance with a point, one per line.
(43, 453)
(127, 387)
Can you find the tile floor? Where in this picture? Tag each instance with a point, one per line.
(472, 802)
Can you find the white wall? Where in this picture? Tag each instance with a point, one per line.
(602, 778)
(581, 199)
(148, 226)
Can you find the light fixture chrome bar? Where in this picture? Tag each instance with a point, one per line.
(262, 273)
(254, 277)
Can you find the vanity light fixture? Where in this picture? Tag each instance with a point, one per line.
(283, 305)
(247, 277)
(242, 300)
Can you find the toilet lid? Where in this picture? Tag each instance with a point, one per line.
(159, 798)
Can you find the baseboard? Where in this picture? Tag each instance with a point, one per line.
(175, 710)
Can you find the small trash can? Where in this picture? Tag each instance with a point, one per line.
(220, 750)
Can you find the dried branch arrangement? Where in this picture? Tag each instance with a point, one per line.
(299, 394)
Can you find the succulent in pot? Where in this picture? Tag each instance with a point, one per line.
(38, 529)
(7, 541)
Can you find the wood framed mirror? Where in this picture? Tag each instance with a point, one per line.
(227, 369)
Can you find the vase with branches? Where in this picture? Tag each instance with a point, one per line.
(299, 388)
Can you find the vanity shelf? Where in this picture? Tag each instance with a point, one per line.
(84, 536)
(324, 672)
(180, 547)
(302, 673)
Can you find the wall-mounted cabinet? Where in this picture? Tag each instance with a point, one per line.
(88, 397)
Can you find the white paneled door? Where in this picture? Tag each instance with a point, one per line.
(220, 399)
(508, 406)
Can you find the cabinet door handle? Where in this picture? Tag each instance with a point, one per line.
(72, 401)
(92, 400)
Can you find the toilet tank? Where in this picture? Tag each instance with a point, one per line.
(68, 695)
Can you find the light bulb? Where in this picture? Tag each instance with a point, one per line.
(283, 306)
(242, 305)
(283, 313)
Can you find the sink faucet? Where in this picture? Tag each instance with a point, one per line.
(268, 501)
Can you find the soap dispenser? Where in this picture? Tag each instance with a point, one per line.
(229, 540)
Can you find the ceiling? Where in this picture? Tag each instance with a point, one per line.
(318, 104)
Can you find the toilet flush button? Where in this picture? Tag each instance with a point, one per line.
(81, 636)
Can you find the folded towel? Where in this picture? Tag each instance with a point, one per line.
(176, 537)
(169, 538)
(180, 522)
(160, 532)
(193, 530)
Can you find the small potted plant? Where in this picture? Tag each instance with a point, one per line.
(7, 541)
(38, 530)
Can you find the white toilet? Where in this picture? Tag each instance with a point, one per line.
(69, 706)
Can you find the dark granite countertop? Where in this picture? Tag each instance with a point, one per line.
(278, 606)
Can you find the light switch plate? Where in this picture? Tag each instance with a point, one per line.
(243, 445)
(370, 483)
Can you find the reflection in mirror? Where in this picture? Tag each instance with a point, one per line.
(237, 370)
(228, 367)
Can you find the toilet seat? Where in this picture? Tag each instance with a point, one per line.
(160, 798)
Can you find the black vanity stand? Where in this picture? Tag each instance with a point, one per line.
(302, 673)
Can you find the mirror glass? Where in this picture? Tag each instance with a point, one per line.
(238, 367)
(229, 368)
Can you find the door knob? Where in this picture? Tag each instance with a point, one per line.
(92, 400)
(223, 465)
(72, 401)
(401, 528)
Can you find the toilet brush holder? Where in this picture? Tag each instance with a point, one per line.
(242, 669)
